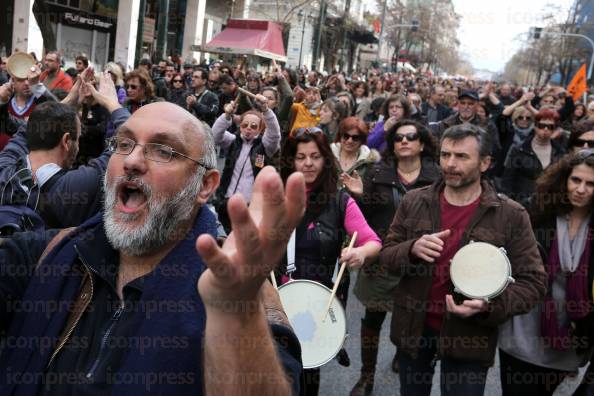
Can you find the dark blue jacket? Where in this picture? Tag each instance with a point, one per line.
(76, 195)
(61, 283)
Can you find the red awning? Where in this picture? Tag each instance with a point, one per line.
(250, 37)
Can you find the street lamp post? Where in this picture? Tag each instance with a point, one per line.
(538, 31)
(300, 16)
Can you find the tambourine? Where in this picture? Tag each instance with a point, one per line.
(480, 270)
(19, 64)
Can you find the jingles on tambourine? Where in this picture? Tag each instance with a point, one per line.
(480, 270)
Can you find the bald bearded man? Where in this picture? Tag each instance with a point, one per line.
(117, 309)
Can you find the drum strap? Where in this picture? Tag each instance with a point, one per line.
(291, 254)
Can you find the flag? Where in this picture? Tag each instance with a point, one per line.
(577, 86)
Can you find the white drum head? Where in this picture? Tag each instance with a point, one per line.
(304, 302)
(480, 270)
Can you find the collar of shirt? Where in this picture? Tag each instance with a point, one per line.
(45, 172)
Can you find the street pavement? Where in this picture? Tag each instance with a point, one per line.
(338, 380)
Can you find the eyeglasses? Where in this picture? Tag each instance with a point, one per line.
(354, 138)
(411, 137)
(302, 131)
(252, 125)
(550, 127)
(584, 142)
(524, 118)
(131, 86)
(152, 151)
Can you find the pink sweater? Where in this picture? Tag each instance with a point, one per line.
(355, 221)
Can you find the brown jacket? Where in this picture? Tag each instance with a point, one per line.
(499, 221)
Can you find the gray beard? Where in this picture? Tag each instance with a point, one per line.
(163, 222)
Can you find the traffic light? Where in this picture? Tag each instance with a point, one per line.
(415, 25)
(536, 32)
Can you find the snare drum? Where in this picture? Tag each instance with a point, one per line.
(480, 270)
(304, 302)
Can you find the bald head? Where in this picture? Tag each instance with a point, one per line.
(176, 123)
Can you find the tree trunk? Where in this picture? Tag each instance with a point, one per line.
(42, 17)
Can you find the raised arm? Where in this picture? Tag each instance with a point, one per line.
(240, 357)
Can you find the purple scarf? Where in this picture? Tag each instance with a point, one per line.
(577, 300)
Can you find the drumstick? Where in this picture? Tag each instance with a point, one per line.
(273, 280)
(342, 267)
(246, 92)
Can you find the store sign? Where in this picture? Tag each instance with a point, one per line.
(148, 30)
(87, 21)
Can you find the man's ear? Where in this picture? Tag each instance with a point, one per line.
(485, 163)
(65, 141)
(210, 183)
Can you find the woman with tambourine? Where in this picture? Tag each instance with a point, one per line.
(539, 349)
(331, 216)
(407, 163)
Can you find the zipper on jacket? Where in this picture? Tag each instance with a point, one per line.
(67, 336)
(114, 319)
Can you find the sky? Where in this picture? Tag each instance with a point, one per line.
(489, 28)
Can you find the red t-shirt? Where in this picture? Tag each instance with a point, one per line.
(455, 219)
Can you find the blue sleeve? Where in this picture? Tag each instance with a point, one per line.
(16, 148)
(289, 352)
(376, 138)
(18, 258)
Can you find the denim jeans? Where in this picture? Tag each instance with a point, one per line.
(457, 377)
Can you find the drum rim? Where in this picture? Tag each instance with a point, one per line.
(341, 309)
(501, 287)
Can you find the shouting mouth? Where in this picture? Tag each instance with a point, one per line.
(131, 197)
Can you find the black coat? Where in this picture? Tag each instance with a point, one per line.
(383, 191)
(522, 168)
(443, 112)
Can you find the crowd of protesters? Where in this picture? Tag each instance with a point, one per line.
(416, 165)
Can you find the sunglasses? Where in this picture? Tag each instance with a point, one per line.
(524, 118)
(583, 142)
(132, 86)
(411, 137)
(550, 127)
(178, 81)
(302, 131)
(354, 138)
(585, 153)
(252, 125)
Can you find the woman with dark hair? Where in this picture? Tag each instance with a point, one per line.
(332, 113)
(178, 91)
(582, 136)
(396, 108)
(361, 98)
(407, 163)
(525, 163)
(351, 152)
(330, 216)
(347, 100)
(539, 349)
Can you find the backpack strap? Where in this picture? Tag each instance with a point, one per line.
(53, 243)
